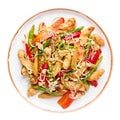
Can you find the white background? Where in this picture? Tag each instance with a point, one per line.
(13, 13)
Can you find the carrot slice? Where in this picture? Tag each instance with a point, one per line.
(40, 36)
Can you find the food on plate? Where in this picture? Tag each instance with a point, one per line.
(61, 60)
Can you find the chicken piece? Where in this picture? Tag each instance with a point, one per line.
(85, 34)
(67, 61)
(45, 95)
(98, 39)
(41, 27)
(71, 85)
(73, 76)
(56, 56)
(96, 75)
(35, 64)
(48, 51)
(81, 52)
(32, 91)
(33, 80)
(63, 53)
(24, 60)
(74, 59)
(82, 68)
(39, 45)
(56, 68)
(62, 92)
(72, 42)
(90, 65)
(70, 24)
(82, 88)
(24, 71)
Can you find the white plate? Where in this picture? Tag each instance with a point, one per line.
(21, 83)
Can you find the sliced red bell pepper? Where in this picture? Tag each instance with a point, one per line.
(65, 101)
(94, 83)
(93, 56)
(57, 23)
(28, 51)
(72, 35)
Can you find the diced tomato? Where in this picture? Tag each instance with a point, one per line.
(45, 65)
(65, 101)
(94, 83)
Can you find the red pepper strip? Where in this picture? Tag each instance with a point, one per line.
(28, 51)
(65, 101)
(55, 26)
(45, 65)
(59, 75)
(94, 57)
(72, 35)
(94, 83)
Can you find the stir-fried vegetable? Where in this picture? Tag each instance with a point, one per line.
(28, 51)
(45, 65)
(94, 83)
(72, 31)
(94, 57)
(61, 60)
(42, 35)
(46, 44)
(72, 35)
(65, 101)
(88, 48)
(50, 67)
(31, 36)
(46, 90)
(76, 29)
(40, 52)
(93, 69)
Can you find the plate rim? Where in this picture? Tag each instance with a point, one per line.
(64, 9)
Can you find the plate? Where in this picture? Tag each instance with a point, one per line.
(21, 83)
